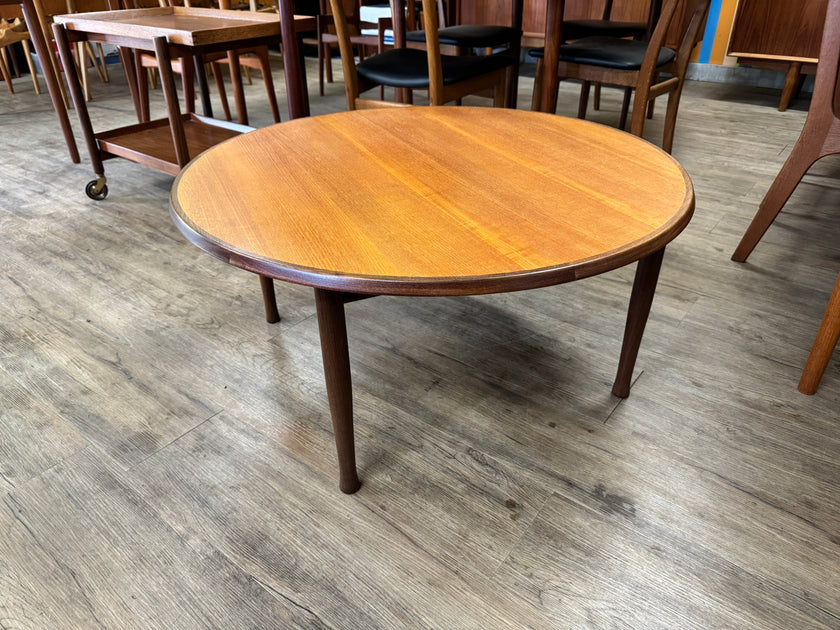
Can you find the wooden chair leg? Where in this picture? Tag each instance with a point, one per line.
(824, 344)
(799, 161)
(625, 108)
(583, 103)
(220, 86)
(671, 119)
(142, 88)
(321, 70)
(596, 97)
(188, 84)
(265, 68)
(81, 67)
(103, 63)
(28, 53)
(535, 95)
(4, 69)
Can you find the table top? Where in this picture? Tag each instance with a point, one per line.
(432, 200)
(180, 25)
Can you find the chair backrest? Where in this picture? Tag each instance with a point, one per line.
(352, 85)
(431, 23)
(826, 95)
(693, 16)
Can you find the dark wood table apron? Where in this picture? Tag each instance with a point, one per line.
(433, 201)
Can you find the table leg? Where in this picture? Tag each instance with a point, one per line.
(333, 330)
(42, 49)
(641, 298)
(272, 315)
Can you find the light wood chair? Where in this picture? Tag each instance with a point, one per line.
(447, 78)
(635, 64)
(12, 33)
(250, 58)
(326, 39)
(824, 344)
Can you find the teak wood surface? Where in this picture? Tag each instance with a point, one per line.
(434, 201)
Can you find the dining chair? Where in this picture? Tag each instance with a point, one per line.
(326, 39)
(465, 39)
(12, 33)
(605, 26)
(446, 77)
(639, 65)
(824, 344)
(819, 138)
(250, 58)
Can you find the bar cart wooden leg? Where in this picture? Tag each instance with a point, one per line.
(641, 298)
(95, 189)
(333, 330)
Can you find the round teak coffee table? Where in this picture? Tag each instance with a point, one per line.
(433, 201)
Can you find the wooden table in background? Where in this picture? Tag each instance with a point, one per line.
(434, 201)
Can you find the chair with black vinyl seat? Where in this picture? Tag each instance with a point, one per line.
(635, 64)
(604, 27)
(608, 27)
(326, 39)
(446, 77)
(467, 38)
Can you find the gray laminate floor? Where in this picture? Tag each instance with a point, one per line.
(166, 457)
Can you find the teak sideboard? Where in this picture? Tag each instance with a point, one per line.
(779, 35)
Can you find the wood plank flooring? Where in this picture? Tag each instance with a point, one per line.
(167, 461)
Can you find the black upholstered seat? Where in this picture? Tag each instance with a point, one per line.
(578, 29)
(471, 36)
(608, 52)
(409, 68)
(447, 77)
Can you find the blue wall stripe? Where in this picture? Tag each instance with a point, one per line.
(711, 28)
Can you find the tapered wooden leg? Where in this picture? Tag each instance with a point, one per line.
(793, 82)
(203, 88)
(583, 103)
(265, 67)
(63, 46)
(797, 164)
(272, 315)
(641, 298)
(824, 344)
(220, 87)
(625, 108)
(54, 85)
(238, 90)
(333, 330)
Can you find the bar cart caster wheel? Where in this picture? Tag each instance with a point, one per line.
(92, 192)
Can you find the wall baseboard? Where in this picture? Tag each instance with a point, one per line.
(742, 75)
